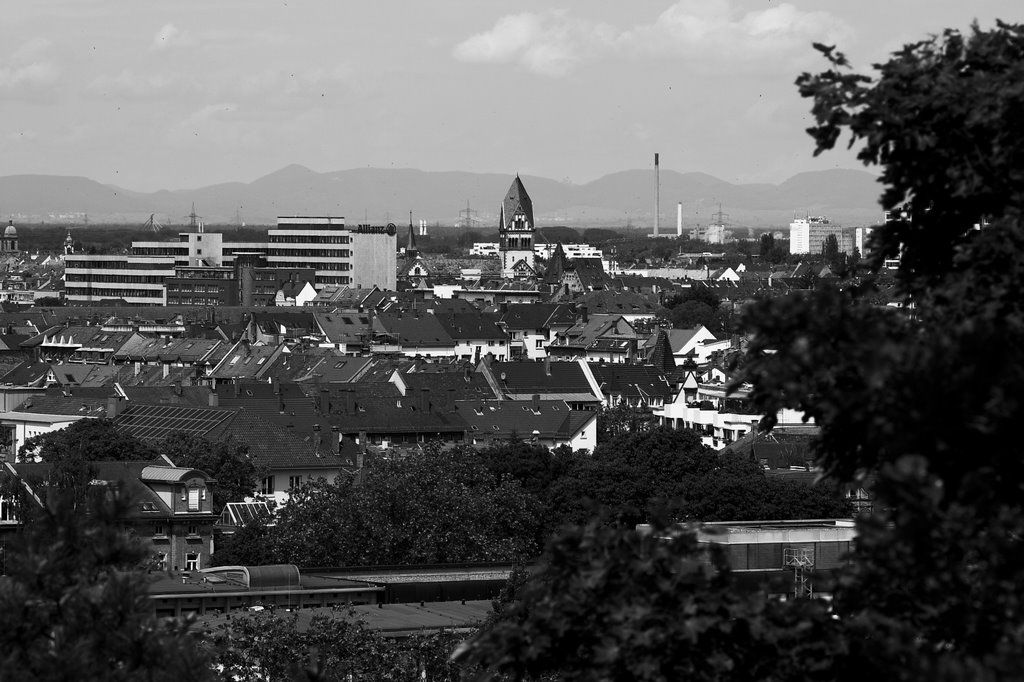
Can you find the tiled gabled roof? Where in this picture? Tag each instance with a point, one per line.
(522, 418)
(414, 329)
(540, 377)
(472, 326)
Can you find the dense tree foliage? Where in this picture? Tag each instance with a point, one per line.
(89, 440)
(615, 604)
(927, 405)
(437, 506)
(667, 471)
(75, 605)
(332, 646)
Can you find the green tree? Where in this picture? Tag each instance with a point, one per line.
(332, 646)
(767, 244)
(75, 605)
(89, 440)
(437, 506)
(629, 475)
(830, 252)
(620, 419)
(927, 405)
(612, 604)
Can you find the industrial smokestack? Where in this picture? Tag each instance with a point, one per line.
(679, 220)
(657, 194)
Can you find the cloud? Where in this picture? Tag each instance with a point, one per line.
(28, 69)
(28, 75)
(31, 50)
(554, 43)
(550, 43)
(717, 31)
(170, 35)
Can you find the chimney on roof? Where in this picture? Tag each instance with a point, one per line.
(536, 402)
(324, 404)
(138, 368)
(238, 389)
(316, 439)
(547, 365)
(451, 399)
(214, 399)
(350, 401)
(177, 388)
(585, 314)
(114, 406)
(425, 399)
(167, 370)
(335, 440)
(277, 386)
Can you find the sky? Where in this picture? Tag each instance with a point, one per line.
(183, 94)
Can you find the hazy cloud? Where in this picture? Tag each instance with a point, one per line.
(31, 50)
(550, 43)
(553, 43)
(717, 30)
(35, 74)
(170, 35)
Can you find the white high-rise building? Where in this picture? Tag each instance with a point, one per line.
(807, 235)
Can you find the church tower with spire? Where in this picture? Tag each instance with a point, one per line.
(515, 233)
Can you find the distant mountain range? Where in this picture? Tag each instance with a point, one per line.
(849, 197)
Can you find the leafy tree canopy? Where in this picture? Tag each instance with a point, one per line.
(75, 606)
(89, 440)
(928, 405)
(438, 506)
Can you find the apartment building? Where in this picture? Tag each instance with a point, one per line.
(363, 256)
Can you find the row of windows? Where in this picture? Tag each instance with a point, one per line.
(333, 279)
(197, 288)
(337, 267)
(155, 296)
(122, 264)
(309, 239)
(193, 300)
(119, 279)
(159, 251)
(204, 274)
(307, 253)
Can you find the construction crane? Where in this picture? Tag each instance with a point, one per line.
(152, 224)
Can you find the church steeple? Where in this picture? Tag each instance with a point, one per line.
(516, 230)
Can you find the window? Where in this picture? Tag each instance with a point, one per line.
(268, 486)
(192, 561)
(294, 481)
(193, 530)
(193, 499)
(539, 343)
(7, 510)
(159, 531)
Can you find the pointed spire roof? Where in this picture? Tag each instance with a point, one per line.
(516, 201)
(661, 356)
(411, 245)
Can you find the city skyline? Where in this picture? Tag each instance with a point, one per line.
(200, 93)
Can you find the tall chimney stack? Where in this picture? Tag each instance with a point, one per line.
(657, 195)
(679, 220)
